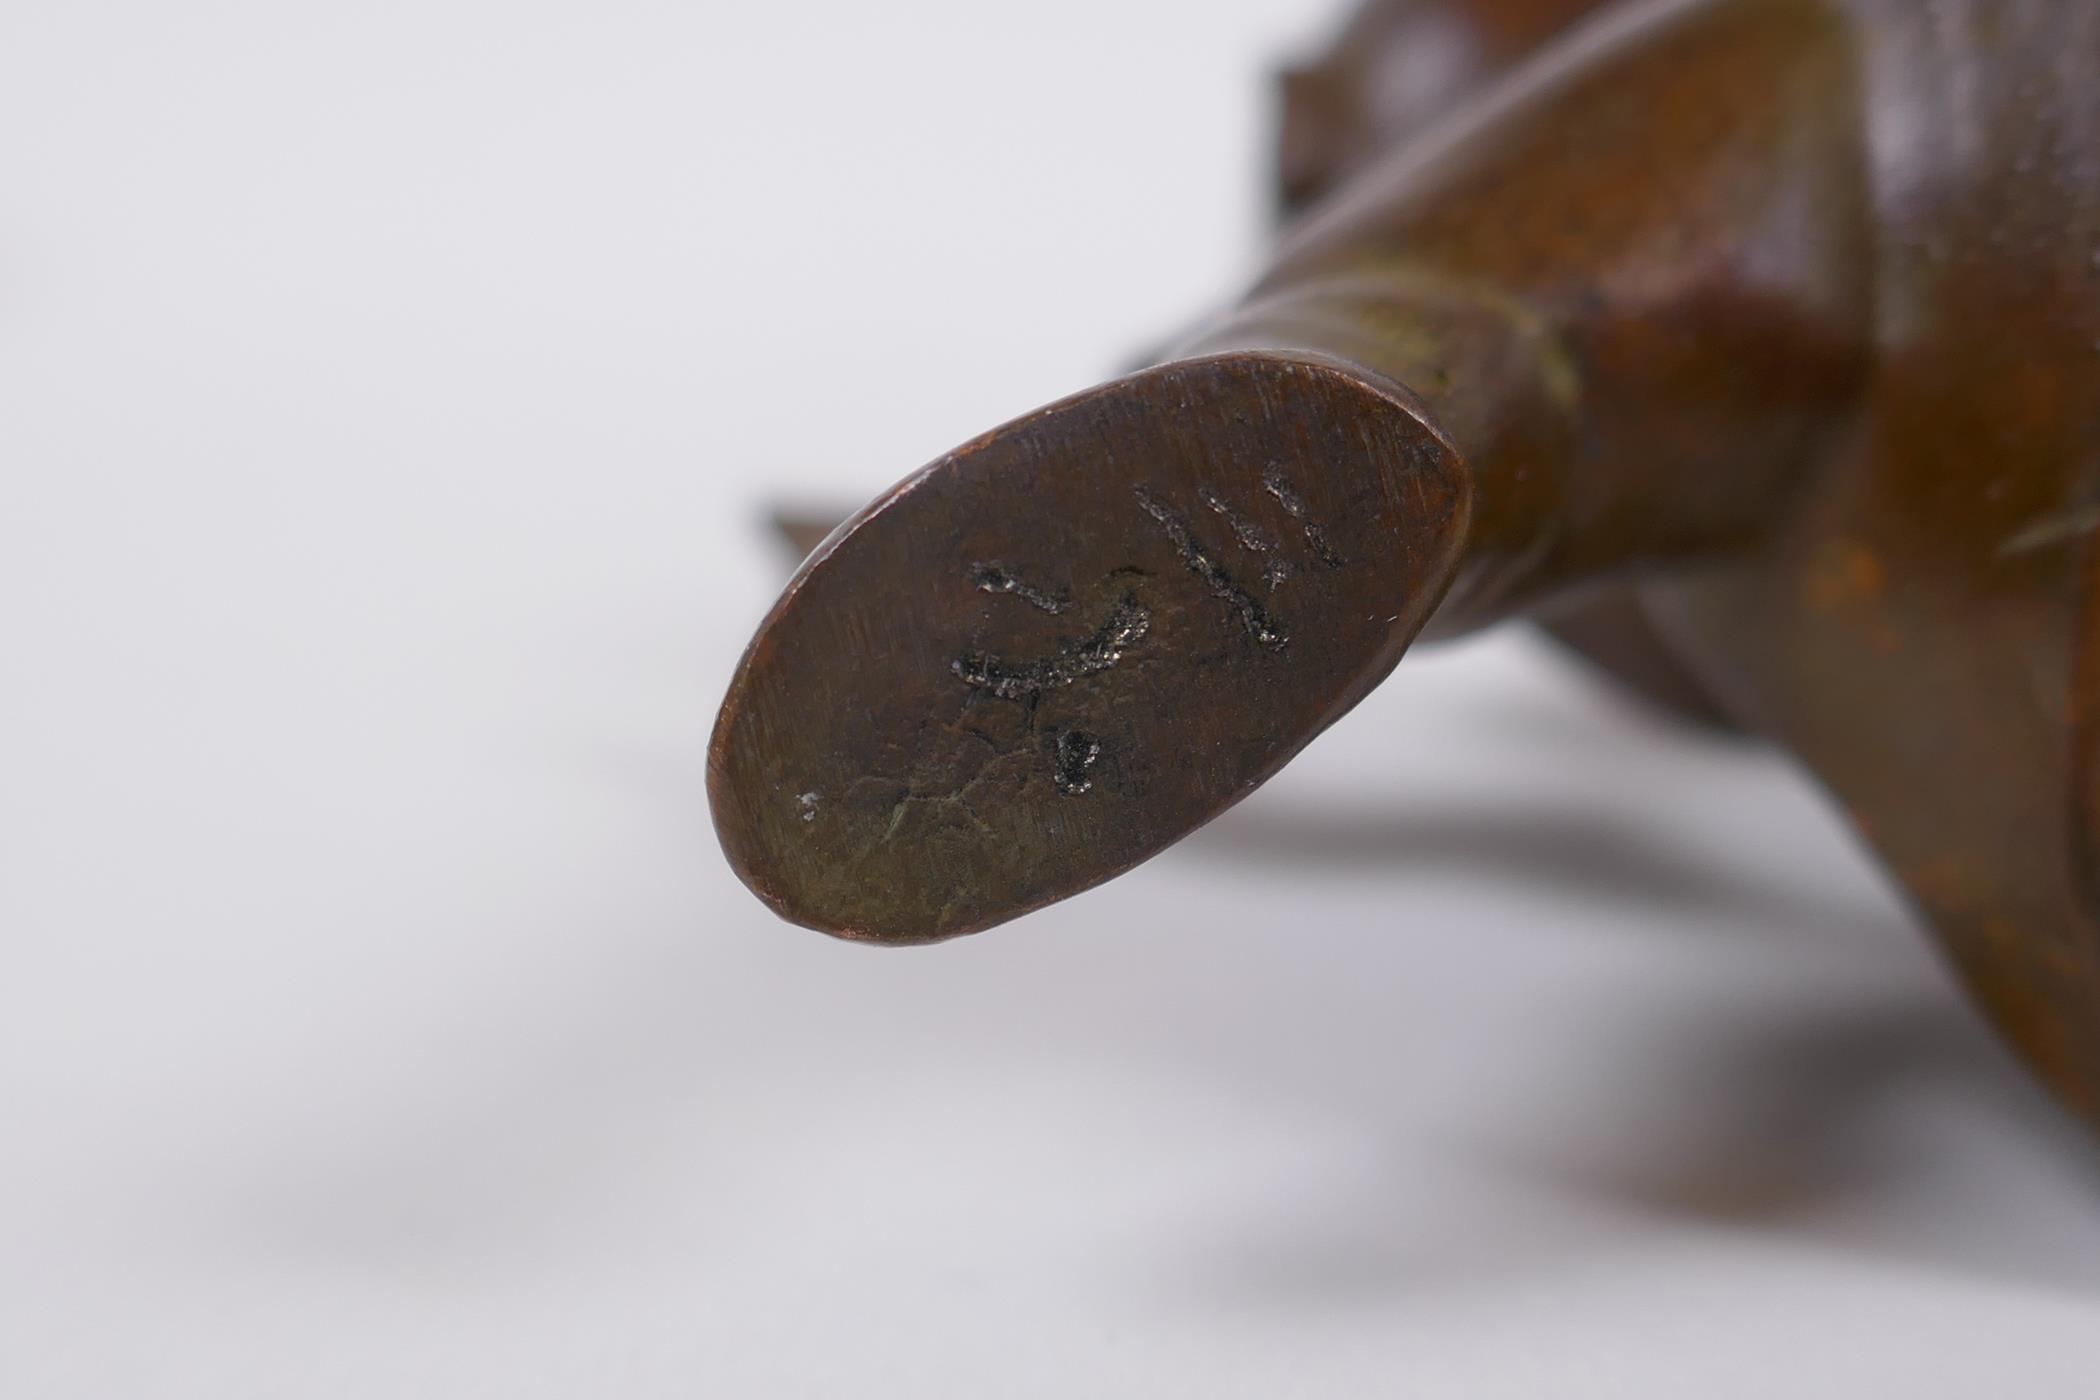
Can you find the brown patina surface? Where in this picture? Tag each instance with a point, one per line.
(1755, 343)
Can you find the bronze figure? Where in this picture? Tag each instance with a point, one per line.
(1753, 344)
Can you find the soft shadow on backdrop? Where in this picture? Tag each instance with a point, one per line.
(396, 393)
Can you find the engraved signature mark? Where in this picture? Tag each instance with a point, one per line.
(1274, 482)
(1250, 535)
(1075, 751)
(1260, 624)
(995, 578)
(1025, 681)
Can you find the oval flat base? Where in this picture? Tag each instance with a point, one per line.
(1067, 644)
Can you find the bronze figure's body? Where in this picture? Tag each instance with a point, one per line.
(1753, 345)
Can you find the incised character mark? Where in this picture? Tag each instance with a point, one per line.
(1025, 681)
(1274, 482)
(994, 578)
(1244, 530)
(1263, 627)
(1251, 536)
(1075, 751)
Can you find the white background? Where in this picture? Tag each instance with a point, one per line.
(390, 394)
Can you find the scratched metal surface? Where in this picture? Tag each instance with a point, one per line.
(385, 447)
(1734, 337)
